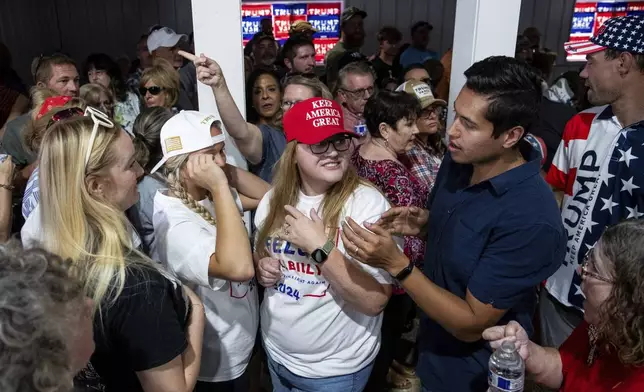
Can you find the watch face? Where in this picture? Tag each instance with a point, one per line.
(317, 256)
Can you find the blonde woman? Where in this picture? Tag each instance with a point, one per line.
(160, 85)
(322, 311)
(262, 145)
(50, 111)
(200, 236)
(99, 97)
(148, 330)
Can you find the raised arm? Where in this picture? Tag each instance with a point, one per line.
(248, 137)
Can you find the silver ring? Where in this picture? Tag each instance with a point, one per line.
(357, 249)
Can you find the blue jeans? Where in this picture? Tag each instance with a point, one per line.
(285, 381)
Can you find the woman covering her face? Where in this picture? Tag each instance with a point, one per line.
(201, 238)
(321, 314)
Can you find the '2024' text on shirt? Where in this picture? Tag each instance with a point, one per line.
(306, 326)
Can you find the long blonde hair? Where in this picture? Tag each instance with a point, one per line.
(286, 187)
(91, 232)
(172, 170)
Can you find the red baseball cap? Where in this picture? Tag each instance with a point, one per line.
(314, 120)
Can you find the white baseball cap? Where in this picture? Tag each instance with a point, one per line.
(164, 37)
(186, 132)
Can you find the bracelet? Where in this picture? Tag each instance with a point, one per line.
(7, 187)
(402, 275)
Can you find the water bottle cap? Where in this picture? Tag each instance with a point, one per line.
(508, 347)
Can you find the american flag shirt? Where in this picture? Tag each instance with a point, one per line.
(600, 167)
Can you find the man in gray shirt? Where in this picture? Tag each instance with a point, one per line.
(57, 72)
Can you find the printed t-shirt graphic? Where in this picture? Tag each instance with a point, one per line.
(600, 167)
(305, 325)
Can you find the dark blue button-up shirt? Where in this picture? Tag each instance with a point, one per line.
(498, 239)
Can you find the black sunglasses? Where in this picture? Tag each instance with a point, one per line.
(154, 90)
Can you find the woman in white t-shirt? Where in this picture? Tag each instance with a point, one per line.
(321, 314)
(200, 236)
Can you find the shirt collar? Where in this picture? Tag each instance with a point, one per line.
(503, 182)
(606, 114)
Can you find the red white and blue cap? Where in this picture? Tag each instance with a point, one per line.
(623, 33)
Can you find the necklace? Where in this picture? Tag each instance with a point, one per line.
(593, 337)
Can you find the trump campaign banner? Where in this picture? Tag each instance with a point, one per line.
(323, 16)
(589, 16)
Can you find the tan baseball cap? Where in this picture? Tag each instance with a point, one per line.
(301, 26)
(422, 91)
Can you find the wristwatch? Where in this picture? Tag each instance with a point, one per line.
(321, 254)
(405, 272)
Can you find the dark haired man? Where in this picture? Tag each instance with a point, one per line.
(299, 55)
(352, 39)
(418, 53)
(599, 164)
(144, 60)
(388, 38)
(494, 233)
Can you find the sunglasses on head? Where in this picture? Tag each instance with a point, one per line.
(154, 90)
(64, 115)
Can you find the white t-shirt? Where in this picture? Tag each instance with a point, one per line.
(306, 326)
(184, 242)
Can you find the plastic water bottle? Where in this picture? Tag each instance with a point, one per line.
(507, 370)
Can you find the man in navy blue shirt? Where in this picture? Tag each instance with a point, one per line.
(494, 230)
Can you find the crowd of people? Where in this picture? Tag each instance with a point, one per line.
(127, 264)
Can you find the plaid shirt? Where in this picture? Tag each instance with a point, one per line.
(423, 163)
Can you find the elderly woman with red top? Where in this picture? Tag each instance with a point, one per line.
(391, 121)
(605, 352)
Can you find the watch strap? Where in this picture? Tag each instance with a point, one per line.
(402, 275)
(328, 247)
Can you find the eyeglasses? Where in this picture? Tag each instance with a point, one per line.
(360, 93)
(427, 113)
(154, 90)
(340, 145)
(585, 270)
(64, 115)
(99, 118)
(286, 105)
